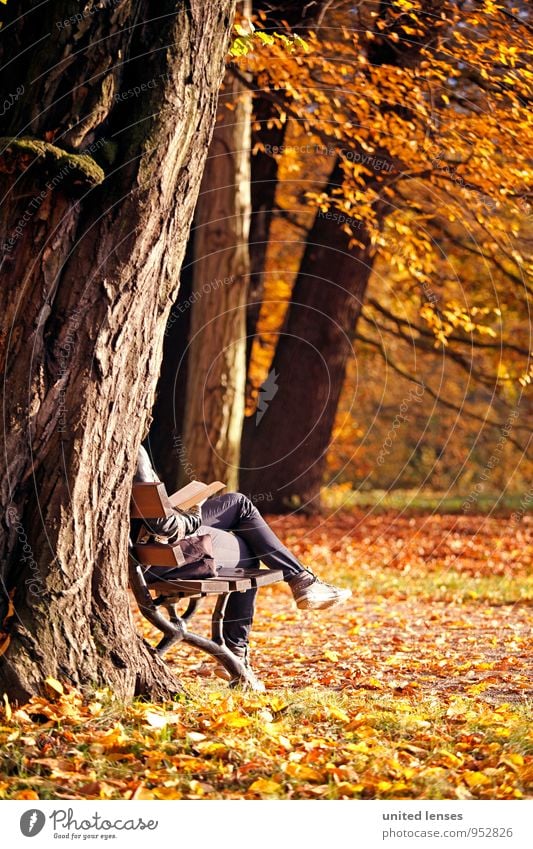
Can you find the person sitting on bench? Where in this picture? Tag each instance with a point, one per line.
(241, 538)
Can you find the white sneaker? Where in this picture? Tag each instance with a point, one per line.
(310, 593)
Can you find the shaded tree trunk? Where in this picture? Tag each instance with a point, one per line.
(284, 447)
(199, 410)
(284, 452)
(90, 265)
(214, 397)
(165, 441)
(269, 134)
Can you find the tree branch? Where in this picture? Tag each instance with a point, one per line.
(485, 380)
(424, 332)
(449, 404)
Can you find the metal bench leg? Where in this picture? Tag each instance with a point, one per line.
(177, 631)
(190, 611)
(177, 621)
(215, 646)
(173, 631)
(229, 661)
(166, 643)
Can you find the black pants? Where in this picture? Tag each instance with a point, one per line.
(241, 537)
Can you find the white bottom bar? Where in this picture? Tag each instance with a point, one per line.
(269, 824)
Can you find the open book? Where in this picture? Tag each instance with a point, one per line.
(194, 492)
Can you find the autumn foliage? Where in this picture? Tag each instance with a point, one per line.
(414, 689)
(426, 106)
(405, 127)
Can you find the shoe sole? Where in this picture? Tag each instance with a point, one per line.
(307, 604)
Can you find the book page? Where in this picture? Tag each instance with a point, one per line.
(194, 492)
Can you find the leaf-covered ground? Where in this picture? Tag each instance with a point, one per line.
(419, 687)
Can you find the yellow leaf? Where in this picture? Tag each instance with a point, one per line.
(515, 758)
(331, 655)
(115, 736)
(306, 773)
(512, 760)
(233, 719)
(211, 748)
(346, 787)
(53, 687)
(372, 684)
(265, 787)
(475, 779)
(449, 758)
(277, 704)
(337, 713)
(163, 793)
(7, 707)
(478, 688)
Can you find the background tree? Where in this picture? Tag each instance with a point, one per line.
(268, 136)
(101, 160)
(199, 411)
(214, 396)
(410, 112)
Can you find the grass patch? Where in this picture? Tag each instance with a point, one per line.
(413, 500)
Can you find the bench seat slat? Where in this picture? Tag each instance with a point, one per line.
(205, 585)
(228, 580)
(257, 577)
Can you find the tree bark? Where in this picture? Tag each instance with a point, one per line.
(90, 264)
(165, 441)
(284, 447)
(214, 397)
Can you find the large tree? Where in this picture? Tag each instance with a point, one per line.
(101, 159)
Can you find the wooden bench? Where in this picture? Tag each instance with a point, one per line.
(150, 501)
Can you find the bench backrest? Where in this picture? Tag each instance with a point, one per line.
(150, 501)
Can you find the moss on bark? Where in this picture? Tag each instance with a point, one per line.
(72, 169)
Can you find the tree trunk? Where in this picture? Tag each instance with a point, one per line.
(165, 441)
(285, 442)
(214, 399)
(199, 409)
(91, 264)
(269, 134)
